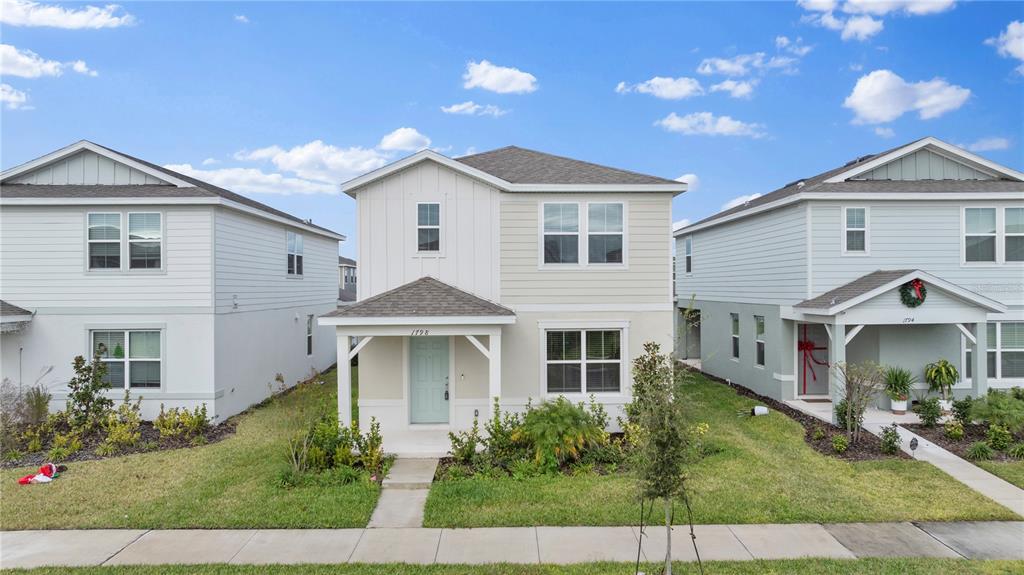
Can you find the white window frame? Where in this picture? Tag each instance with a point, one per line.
(298, 252)
(625, 385)
(310, 320)
(866, 229)
(586, 233)
(688, 255)
(995, 379)
(734, 338)
(127, 360)
(119, 242)
(759, 342)
(581, 254)
(998, 235)
(127, 260)
(582, 237)
(439, 227)
(1006, 234)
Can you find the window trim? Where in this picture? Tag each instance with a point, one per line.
(991, 347)
(439, 227)
(1006, 234)
(582, 234)
(119, 242)
(759, 340)
(585, 232)
(688, 255)
(625, 383)
(581, 254)
(288, 252)
(123, 244)
(128, 242)
(866, 229)
(734, 336)
(310, 321)
(127, 329)
(1000, 235)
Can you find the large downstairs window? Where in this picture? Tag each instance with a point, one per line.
(1004, 352)
(132, 357)
(583, 361)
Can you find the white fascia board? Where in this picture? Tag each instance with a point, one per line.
(87, 145)
(977, 299)
(414, 320)
(15, 318)
(938, 145)
(675, 189)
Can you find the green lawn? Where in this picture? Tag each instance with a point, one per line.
(765, 473)
(1012, 471)
(229, 484)
(794, 567)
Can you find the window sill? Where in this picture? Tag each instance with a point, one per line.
(428, 255)
(856, 254)
(734, 359)
(293, 277)
(127, 272)
(582, 267)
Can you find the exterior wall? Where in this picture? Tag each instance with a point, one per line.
(716, 347)
(924, 165)
(646, 277)
(86, 167)
(760, 259)
(388, 254)
(43, 263)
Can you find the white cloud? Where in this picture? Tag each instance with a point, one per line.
(987, 144)
(27, 13)
(255, 181)
(319, 161)
(692, 181)
(882, 96)
(500, 79)
(861, 28)
(741, 89)
(28, 64)
(739, 201)
(855, 67)
(664, 88)
(677, 225)
(882, 132)
(861, 25)
(781, 42)
(211, 162)
(13, 99)
(471, 108)
(817, 5)
(707, 124)
(795, 46)
(405, 139)
(909, 7)
(744, 64)
(241, 18)
(1010, 43)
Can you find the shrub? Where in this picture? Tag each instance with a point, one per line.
(999, 438)
(840, 443)
(979, 451)
(818, 434)
(63, 446)
(179, 422)
(954, 430)
(841, 410)
(1001, 408)
(941, 377)
(929, 411)
(371, 449)
(1017, 392)
(524, 469)
(558, 431)
(87, 406)
(501, 444)
(465, 443)
(962, 410)
(121, 427)
(345, 449)
(861, 382)
(1016, 451)
(898, 381)
(891, 440)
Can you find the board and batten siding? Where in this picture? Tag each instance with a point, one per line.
(924, 165)
(388, 256)
(252, 265)
(86, 168)
(903, 235)
(759, 259)
(645, 279)
(43, 262)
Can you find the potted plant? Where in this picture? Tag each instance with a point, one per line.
(941, 376)
(898, 381)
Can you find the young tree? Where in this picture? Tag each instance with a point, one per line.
(86, 405)
(663, 448)
(861, 383)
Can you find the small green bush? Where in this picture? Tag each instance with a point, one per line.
(891, 440)
(558, 431)
(979, 451)
(962, 410)
(63, 446)
(465, 443)
(371, 449)
(179, 422)
(524, 469)
(1002, 408)
(501, 446)
(898, 381)
(929, 411)
(840, 443)
(87, 405)
(818, 434)
(1016, 451)
(954, 430)
(121, 428)
(999, 438)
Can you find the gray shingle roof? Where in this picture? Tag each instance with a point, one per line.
(343, 261)
(425, 297)
(522, 166)
(9, 309)
(856, 288)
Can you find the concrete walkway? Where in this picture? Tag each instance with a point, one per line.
(404, 494)
(976, 540)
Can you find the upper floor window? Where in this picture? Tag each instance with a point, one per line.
(428, 227)
(855, 230)
(1014, 240)
(604, 233)
(980, 234)
(759, 340)
(132, 357)
(735, 320)
(348, 276)
(294, 254)
(688, 253)
(562, 233)
(144, 240)
(104, 239)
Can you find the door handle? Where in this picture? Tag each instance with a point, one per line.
(446, 389)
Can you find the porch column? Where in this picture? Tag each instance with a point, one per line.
(836, 355)
(494, 363)
(979, 361)
(344, 380)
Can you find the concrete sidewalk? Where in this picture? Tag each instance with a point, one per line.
(972, 540)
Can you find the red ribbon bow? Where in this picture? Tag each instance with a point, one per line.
(917, 285)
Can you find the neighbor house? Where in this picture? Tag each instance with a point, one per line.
(190, 294)
(510, 274)
(833, 267)
(346, 280)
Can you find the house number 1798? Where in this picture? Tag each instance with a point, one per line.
(420, 332)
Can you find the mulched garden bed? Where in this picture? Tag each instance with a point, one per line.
(868, 448)
(972, 433)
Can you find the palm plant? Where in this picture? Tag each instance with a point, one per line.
(941, 376)
(898, 381)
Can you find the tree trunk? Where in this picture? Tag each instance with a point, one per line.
(668, 536)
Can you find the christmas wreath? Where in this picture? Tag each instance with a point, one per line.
(912, 293)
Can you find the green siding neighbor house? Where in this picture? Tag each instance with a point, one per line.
(809, 275)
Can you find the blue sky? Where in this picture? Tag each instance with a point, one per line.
(282, 102)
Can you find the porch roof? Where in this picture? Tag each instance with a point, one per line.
(878, 282)
(423, 301)
(12, 313)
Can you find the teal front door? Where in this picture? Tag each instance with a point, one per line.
(428, 379)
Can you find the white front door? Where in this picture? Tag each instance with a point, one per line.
(428, 379)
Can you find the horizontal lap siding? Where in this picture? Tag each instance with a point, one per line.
(647, 279)
(252, 265)
(43, 261)
(760, 259)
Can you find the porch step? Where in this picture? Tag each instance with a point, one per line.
(411, 474)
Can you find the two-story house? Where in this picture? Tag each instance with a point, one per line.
(902, 258)
(510, 274)
(346, 280)
(190, 293)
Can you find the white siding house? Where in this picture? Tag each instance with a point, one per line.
(187, 290)
(510, 274)
(810, 275)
